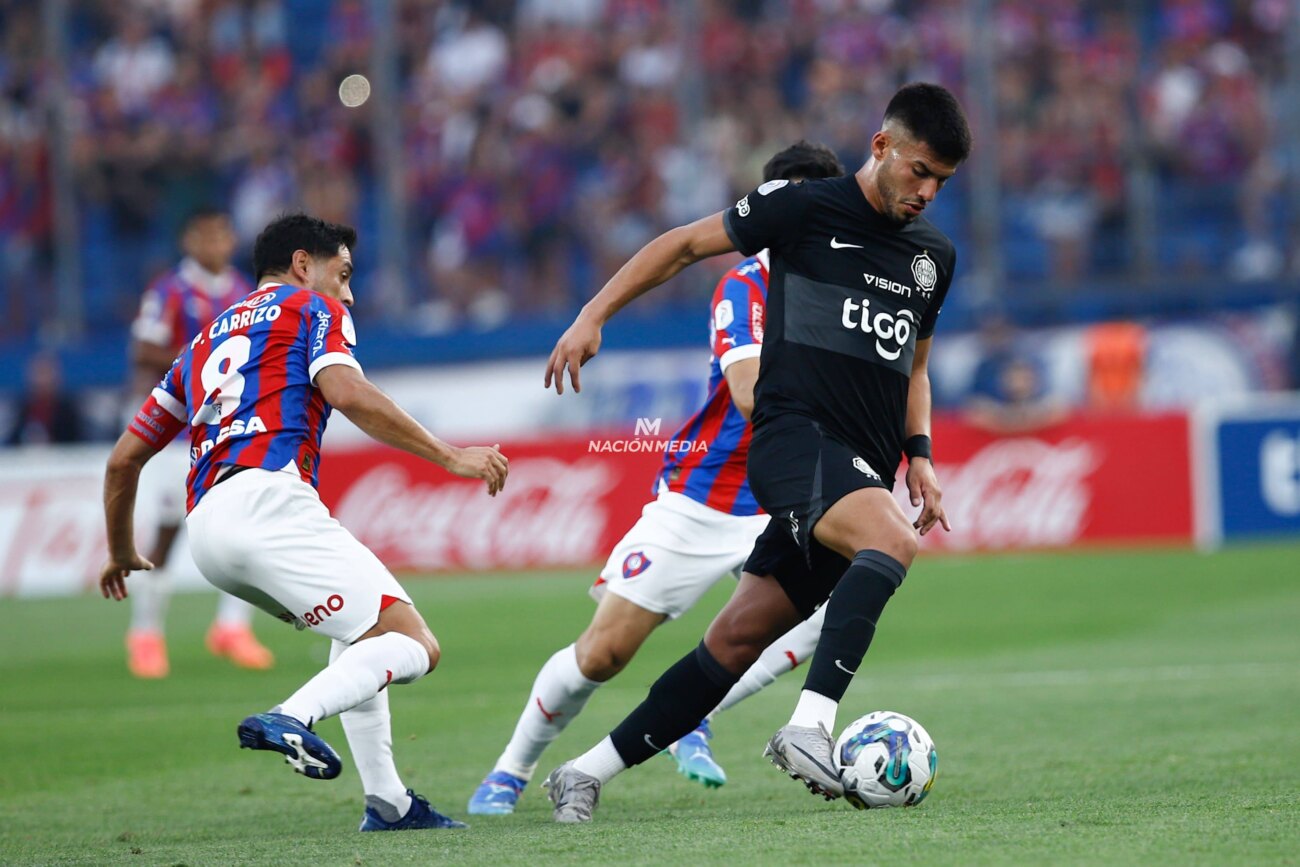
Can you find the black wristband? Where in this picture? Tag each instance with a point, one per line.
(917, 447)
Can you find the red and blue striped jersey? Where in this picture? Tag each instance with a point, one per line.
(715, 476)
(245, 385)
(180, 302)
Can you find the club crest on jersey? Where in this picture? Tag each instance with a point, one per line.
(634, 564)
(924, 272)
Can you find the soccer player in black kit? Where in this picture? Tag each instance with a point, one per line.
(856, 283)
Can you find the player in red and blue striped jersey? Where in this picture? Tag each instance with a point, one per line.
(172, 310)
(700, 527)
(264, 416)
(254, 388)
(716, 477)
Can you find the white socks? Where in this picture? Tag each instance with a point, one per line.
(601, 761)
(780, 657)
(233, 611)
(368, 727)
(150, 593)
(357, 675)
(813, 709)
(559, 694)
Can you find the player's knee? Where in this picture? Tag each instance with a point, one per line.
(599, 657)
(899, 540)
(425, 639)
(903, 546)
(734, 643)
(434, 650)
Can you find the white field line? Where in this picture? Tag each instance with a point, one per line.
(1289, 672)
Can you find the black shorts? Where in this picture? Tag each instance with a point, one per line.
(797, 472)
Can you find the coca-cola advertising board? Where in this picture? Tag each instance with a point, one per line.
(565, 504)
(1101, 479)
(1123, 479)
(1120, 479)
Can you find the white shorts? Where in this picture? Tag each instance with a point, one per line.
(162, 482)
(267, 538)
(675, 552)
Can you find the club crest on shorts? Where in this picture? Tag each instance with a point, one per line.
(634, 564)
(863, 467)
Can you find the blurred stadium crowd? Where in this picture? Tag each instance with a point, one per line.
(545, 140)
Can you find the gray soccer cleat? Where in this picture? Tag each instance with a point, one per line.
(807, 755)
(573, 793)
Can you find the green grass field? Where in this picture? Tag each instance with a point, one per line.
(1135, 707)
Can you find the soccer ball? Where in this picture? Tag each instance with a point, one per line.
(885, 759)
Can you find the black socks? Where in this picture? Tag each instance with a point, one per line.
(851, 615)
(681, 697)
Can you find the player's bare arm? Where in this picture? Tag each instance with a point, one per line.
(741, 378)
(922, 483)
(653, 264)
(121, 480)
(366, 406)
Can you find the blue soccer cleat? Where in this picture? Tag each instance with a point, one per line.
(496, 795)
(419, 817)
(303, 749)
(695, 759)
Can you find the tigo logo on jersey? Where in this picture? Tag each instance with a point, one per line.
(634, 564)
(742, 207)
(884, 325)
(925, 273)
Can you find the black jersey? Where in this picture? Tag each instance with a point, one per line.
(849, 294)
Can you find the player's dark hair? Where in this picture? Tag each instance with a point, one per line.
(931, 114)
(803, 159)
(274, 248)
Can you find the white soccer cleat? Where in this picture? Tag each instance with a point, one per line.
(807, 755)
(573, 793)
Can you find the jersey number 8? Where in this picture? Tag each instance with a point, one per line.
(223, 384)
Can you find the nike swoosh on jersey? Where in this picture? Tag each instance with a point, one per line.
(836, 245)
